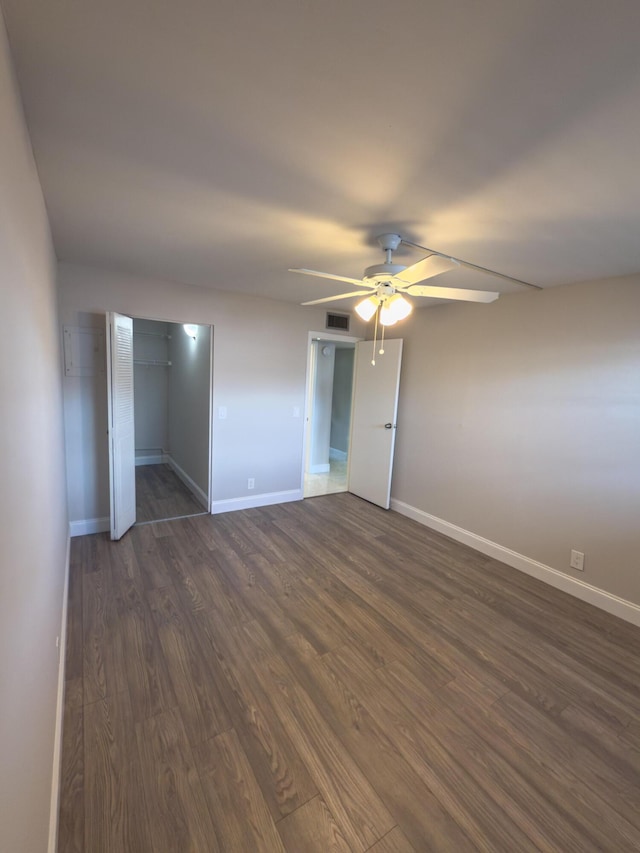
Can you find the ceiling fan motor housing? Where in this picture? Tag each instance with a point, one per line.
(379, 273)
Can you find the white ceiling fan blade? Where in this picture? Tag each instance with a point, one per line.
(426, 268)
(452, 293)
(357, 281)
(339, 296)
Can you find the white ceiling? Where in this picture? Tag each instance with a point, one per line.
(219, 142)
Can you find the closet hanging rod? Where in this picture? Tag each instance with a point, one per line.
(153, 334)
(152, 362)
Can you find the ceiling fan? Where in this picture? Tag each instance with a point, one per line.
(384, 284)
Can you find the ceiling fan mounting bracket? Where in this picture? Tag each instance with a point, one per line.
(389, 242)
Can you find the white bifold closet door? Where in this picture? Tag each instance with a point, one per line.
(122, 461)
(373, 425)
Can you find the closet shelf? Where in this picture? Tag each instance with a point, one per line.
(151, 362)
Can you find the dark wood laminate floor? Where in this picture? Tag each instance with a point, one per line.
(326, 676)
(161, 494)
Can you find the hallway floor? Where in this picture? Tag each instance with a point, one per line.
(327, 484)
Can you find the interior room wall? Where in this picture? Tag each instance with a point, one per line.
(520, 422)
(341, 405)
(151, 389)
(323, 359)
(190, 384)
(259, 375)
(33, 520)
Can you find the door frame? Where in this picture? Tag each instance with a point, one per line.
(180, 322)
(312, 337)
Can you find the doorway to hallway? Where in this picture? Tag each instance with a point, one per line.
(329, 403)
(370, 428)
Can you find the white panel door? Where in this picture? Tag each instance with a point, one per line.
(373, 426)
(122, 453)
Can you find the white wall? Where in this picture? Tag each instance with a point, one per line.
(323, 360)
(189, 390)
(151, 387)
(341, 400)
(33, 522)
(260, 356)
(520, 422)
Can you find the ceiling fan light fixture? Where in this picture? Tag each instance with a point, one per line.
(367, 308)
(395, 308)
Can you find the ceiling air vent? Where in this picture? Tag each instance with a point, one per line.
(338, 321)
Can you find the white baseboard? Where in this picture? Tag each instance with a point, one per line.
(89, 525)
(152, 459)
(252, 501)
(189, 482)
(626, 610)
(58, 732)
(319, 469)
(338, 455)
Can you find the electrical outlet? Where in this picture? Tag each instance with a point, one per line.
(251, 483)
(296, 411)
(222, 413)
(577, 560)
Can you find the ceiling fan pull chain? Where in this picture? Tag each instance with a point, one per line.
(375, 335)
(381, 350)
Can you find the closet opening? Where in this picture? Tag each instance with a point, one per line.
(172, 365)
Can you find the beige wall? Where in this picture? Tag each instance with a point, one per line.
(33, 523)
(520, 422)
(259, 374)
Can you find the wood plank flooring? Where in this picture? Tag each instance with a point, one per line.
(161, 494)
(326, 676)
